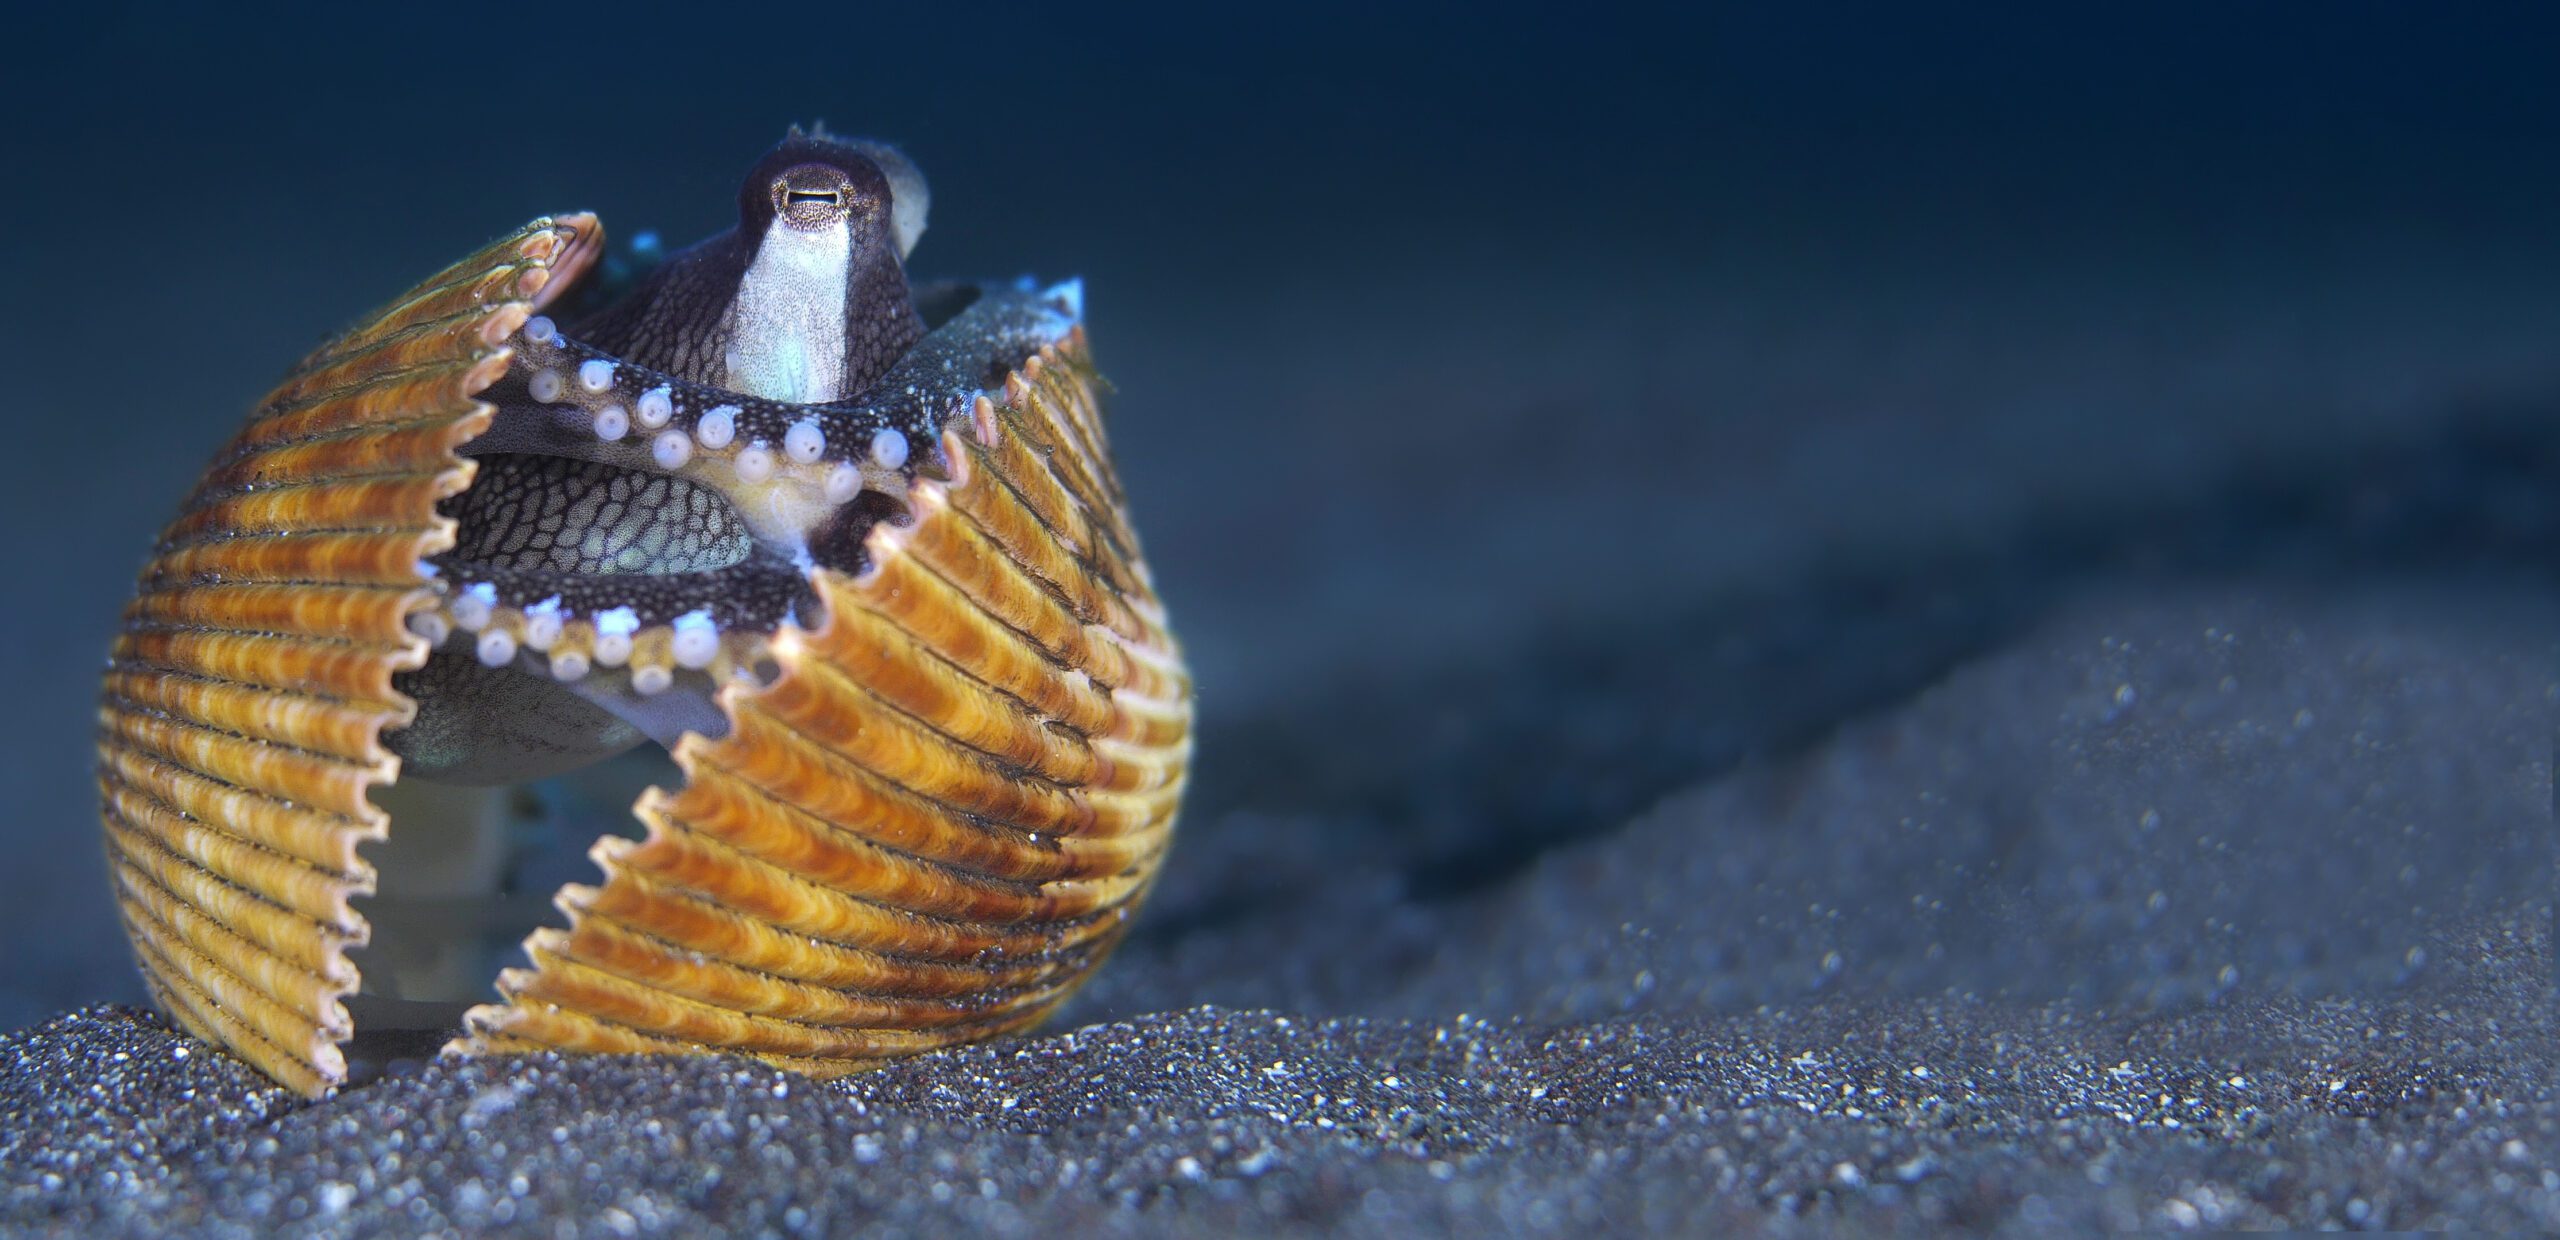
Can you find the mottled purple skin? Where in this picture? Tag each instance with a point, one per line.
(679, 317)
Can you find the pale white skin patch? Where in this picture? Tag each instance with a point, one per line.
(786, 339)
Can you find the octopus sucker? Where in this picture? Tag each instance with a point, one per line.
(848, 549)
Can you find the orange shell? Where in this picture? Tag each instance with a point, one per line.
(927, 829)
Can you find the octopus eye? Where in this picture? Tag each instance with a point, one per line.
(813, 196)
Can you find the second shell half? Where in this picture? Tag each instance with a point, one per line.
(854, 552)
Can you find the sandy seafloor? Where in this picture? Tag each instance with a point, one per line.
(2069, 839)
(1828, 624)
(2225, 905)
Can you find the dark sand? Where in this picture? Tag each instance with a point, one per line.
(2219, 907)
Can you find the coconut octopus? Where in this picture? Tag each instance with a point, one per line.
(852, 550)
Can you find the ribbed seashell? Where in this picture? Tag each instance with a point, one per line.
(928, 820)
